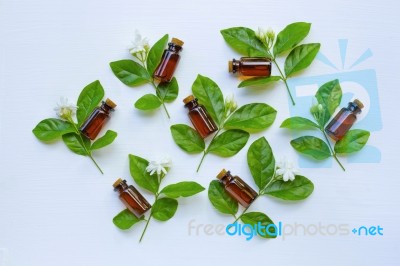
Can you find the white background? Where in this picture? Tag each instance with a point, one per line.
(57, 209)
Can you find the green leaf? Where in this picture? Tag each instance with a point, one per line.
(168, 91)
(105, 140)
(187, 138)
(290, 36)
(148, 102)
(258, 81)
(329, 95)
(229, 143)
(244, 41)
(182, 189)
(209, 94)
(298, 189)
(155, 53)
(220, 199)
(164, 209)
(52, 128)
(130, 72)
(301, 57)
(312, 146)
(137, 167)
(261, 162)
(299, 123)
(251, 117)
(126, 219)
(89, 98)
(78, 145)
(353, 141)
(256, 218)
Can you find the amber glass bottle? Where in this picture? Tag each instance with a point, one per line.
(344, 120)
(93, 124)
(237, 188)
(132, 199)
(201, 120)
(169, 61)
(251, 66)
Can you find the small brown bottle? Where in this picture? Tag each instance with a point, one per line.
(237, 188)
(344, 120)
(201, 120)
(93, 124)
(169, 61)
(251, 66)
(132, 199)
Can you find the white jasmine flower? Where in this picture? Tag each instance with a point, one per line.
(139, 44)
(64, 109)
(230, 103)
(261, 34)
(266, 36)
(286, 169)
(160, 166)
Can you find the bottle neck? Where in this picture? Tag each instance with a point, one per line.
(105, 107)
(121, 186)
(192, 104)
(235, 65)
(227, 178)
(174, 47)
(354, 108)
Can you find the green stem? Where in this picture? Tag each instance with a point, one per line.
(95, 163)
(206, 151)
(243, 212)
(145, 228)
(84, 147)
(330, 147)
(148, 221)
(201, 161)
(284, 80)
(263, 190)
(163, 104)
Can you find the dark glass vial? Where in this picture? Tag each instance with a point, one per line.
(251, 66)
(93, 124)
(237, 188)
(201, 120)
(132, 199)
(344, 120)
(169, 61)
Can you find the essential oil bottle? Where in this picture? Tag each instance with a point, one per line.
(344, 120)
(93, 124)
(251, 66)
(169, 61)
(201, 120)
(237, 188)
(132, 199)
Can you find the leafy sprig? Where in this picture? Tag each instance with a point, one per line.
(140, 71)
(329, 96)
(264, 44)
(270, 182)
(165, 203)
(234, 125)
(51, 129)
